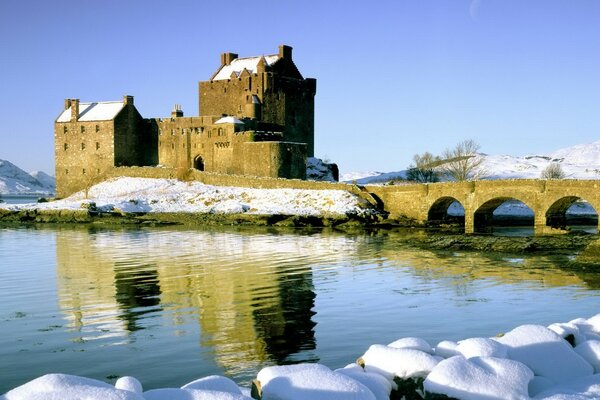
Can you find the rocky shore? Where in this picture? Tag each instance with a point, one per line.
(561, 361)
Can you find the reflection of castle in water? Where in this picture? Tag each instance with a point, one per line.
(252, 294)
(112, 283)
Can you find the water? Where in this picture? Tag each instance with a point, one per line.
(170, 305)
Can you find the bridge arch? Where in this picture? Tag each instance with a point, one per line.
(557, 218)
(484, 219)
(439, 210)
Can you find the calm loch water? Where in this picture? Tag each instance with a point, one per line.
(171, 305)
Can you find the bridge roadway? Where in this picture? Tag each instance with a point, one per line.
(548, 199)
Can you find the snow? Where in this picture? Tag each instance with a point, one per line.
(14, 181)
(412, 343)
(146, 195)
(229, 120)
(102, 111)
(481, 347)
(590, 352)
(309, 381)
(480, 378)
(402, 363)
(529, 362)
(239, 64)
(581, 161)
(546, 353)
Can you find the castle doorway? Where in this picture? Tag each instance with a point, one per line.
(199, 163)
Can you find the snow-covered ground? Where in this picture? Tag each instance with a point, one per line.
(558, 362)
(578, 162)
(16, 182)
(145, 195)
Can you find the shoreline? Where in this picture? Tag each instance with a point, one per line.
(448, 237)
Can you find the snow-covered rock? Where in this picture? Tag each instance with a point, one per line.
(319, 170)
(414, 343)
(309, 381)
(68, 387)
(402, 363)
(481, 347)
(480, 378)
(546, 353)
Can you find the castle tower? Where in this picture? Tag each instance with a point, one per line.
(267, 88)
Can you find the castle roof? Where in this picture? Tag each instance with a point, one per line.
(101, 111)
(239, 64)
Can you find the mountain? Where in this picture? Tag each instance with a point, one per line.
(578, 162)
(16, 182)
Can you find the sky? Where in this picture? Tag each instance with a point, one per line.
(394, 77)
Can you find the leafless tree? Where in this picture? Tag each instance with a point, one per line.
(553, 171)
(423, 168)
(462, 162)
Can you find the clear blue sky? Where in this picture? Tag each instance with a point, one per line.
(394, 78)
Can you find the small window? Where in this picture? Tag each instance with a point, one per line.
(97, 128)
(65, 129)
(82, 146)
(83, 171)
(172, 145)
(184, 145)
(82, 129)
(66, 146)
(97, 145)
(98, 171)
(67, 171)
(172, 131)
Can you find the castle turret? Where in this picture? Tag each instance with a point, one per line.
(253, 108)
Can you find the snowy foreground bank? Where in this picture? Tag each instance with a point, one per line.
(558, 362)
(145, 195)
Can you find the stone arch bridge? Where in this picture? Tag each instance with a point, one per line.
(548, 199)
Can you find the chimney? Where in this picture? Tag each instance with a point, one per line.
(74, 109)
(227, 58)
(177, 111)
(285, 52)
(127, 100)
(67, 104)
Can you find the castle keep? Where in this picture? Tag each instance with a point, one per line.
(256, 117)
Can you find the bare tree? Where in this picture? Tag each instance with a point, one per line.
(423, 168)
(553, 171)
(462, 162)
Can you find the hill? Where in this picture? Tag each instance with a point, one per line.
(578, 162)
(16, 182)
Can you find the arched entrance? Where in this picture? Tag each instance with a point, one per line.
(572, 213)
(504, 216)
(446, 210)
(199, 163)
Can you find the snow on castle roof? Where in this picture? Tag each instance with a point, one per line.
(102, 111)
(239, 64)
(229, 120)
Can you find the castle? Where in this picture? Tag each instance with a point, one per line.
(256, 117)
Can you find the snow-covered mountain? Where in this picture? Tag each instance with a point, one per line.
(578, 162)
(16, 182)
